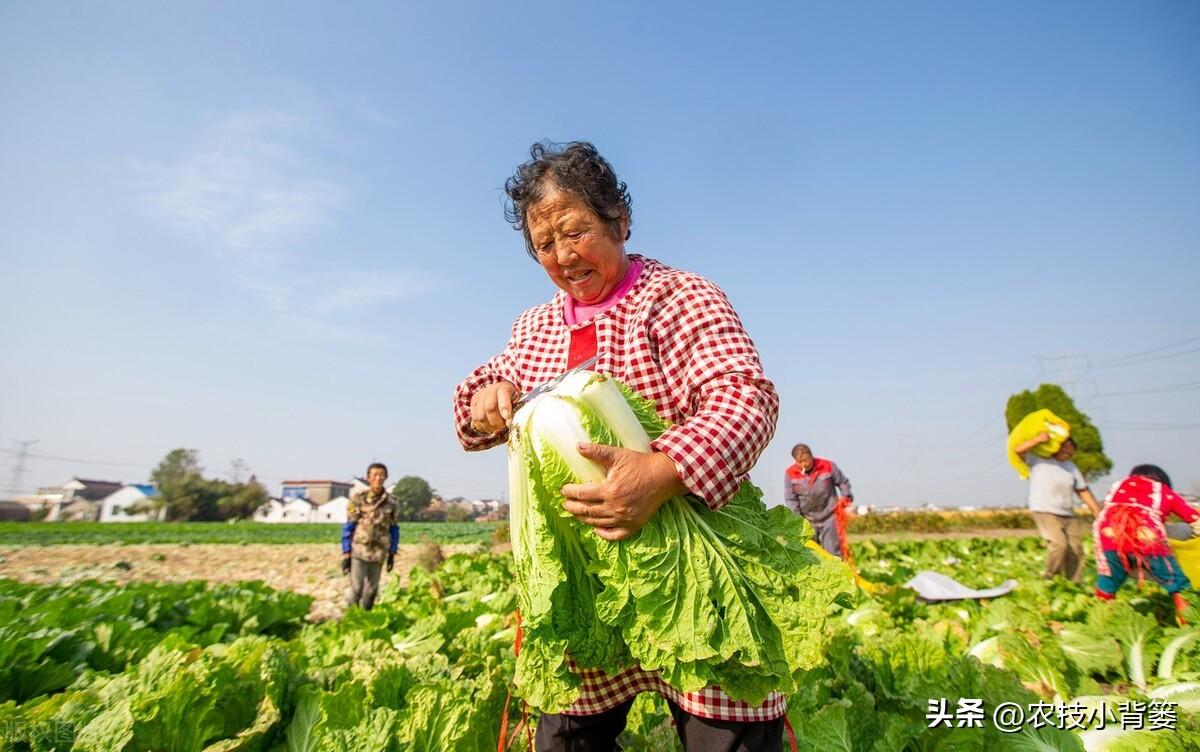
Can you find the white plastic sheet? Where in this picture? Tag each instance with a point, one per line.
(933, 586)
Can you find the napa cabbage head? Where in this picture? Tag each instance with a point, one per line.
(729, 597)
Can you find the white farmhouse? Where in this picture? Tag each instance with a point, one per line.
(51, 500)
(115, 507)
(332, 511)
(272, 511)
(295, 509)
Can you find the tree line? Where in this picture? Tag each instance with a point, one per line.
(186, 495)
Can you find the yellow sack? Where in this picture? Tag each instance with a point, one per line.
(1029, 427)
(870, 588)
(1188, 553)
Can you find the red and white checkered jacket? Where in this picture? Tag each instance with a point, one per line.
(676, 340)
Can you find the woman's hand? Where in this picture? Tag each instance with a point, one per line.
(491, 407)
(636, 485)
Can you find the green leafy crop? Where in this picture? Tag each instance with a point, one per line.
(730, 597)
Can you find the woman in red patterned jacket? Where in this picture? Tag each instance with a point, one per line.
(673, 337)
(1130, 535)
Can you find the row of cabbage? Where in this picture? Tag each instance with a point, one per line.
(95, 666)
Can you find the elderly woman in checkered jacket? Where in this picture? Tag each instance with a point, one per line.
(673, 337)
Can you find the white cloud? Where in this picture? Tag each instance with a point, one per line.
(247, 186)
(252, 193)
(362, 290)
(320, 329)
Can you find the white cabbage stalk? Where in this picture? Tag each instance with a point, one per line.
(603, 397)
(1137, 666)
(559, 427)
(1104, 739)
(483, 620)
(988, 652)
(1166, 664)
(518, 498)
(1184, 694)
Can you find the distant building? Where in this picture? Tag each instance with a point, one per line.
(80, 510)
(296, 509)
(52, 499)
(485, 506)
(333, 511)
(92, 490)
(316, 491)
(13, 511)
(272, 511)
(116, 506)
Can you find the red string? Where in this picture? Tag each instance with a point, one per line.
(505, 739)
(841, 522)
(500, 747)
(791, 732)
(1180, 606)
(1126, 523)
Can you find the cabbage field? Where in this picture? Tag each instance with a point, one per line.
(241, 532)
(192, 666)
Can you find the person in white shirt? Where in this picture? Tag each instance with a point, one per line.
(1054, 483)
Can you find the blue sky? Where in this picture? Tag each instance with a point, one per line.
(274, 231)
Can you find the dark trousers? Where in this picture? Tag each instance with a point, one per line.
(364, 583)
(826, 534)
(558, 732)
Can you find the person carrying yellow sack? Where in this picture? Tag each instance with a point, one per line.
(1053, 484)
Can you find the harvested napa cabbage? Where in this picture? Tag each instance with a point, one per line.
(731, 597)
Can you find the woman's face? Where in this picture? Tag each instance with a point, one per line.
(582, 255)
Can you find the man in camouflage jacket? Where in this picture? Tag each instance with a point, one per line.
(369, 537)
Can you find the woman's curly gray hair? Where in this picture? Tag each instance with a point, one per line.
(575, 168)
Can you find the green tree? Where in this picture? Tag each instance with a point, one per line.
(1090, 458)
(194, 499)
(177, 466)
(185, 494)
(241, 500)
(413, 496)
(178, 479)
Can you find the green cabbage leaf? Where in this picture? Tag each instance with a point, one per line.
(729, 597)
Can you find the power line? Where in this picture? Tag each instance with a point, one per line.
(1151, 351)
(1134, 426)
(1151, 359)
(74, 459)
(1186, 386)
(1068, 371)
(974, 436)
